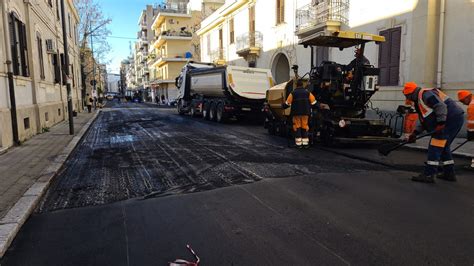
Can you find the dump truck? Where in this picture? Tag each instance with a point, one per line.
(220, 93)
(346, 91)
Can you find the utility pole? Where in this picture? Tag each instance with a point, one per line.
(66, 70)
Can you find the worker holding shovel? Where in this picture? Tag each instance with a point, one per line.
(466, 98)
(444, 118)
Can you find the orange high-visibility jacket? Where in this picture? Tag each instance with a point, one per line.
(409, 124)
(470, 116)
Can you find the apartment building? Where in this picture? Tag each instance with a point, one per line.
(255, 33)
(145, 39)
(174, 29)
(32, 41)
(428, 41)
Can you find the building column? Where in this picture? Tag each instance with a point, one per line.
(424, 53)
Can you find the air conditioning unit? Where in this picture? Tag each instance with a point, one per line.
(50, 46)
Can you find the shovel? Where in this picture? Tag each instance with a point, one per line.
(385, 149)
(460, 145)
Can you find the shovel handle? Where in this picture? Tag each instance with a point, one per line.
(460, 145)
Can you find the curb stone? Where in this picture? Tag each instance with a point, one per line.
(15, 218)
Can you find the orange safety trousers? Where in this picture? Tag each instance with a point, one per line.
(300, 121)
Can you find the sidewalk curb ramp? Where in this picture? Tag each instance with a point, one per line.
(19, 213)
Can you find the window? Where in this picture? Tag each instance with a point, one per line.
(69, 24)
(26, 123)
(57, 69)
(57, 10)
(73, 76)
(18, 46)
(280, 11)
(39, 43)
(389, 57)
(231, 31)
(63, 69)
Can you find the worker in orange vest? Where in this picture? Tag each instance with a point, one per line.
(301, 100)
(466, 98)
(444, 118)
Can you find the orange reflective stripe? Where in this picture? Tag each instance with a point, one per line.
(312, 99)
(289, 100)
(470, 116)
(425, 109)
(441, 143)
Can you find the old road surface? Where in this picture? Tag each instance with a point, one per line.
(145, 182)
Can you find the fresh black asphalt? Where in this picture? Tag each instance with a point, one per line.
(145, 182)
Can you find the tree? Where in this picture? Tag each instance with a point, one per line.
(92, 24)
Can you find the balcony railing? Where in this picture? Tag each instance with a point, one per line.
(179, 9)
(175, 34)
(322, 11)
(249, 40)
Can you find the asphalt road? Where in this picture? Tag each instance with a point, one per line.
(145, 182)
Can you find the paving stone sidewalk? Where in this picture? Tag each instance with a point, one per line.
(20, 167)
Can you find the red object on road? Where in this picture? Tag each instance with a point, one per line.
(181, 262)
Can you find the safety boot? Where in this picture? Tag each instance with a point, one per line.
(423, 178)
(450, 176)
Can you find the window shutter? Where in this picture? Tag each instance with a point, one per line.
(13, 44)
(63, 69)
(57, 71)
(23, 50)
(394, 66)
(389, 57)
(384, 59)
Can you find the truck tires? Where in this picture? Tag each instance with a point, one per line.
(180, 108)
(212, 111)
(193, 111)
(221, 116)
(206, 110)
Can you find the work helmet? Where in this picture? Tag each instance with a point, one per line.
(463, 94)
(409, 88)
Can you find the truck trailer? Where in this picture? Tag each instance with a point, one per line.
(219, 93)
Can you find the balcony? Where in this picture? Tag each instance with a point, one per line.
(172, 35)
(249, 45)
(160, 59)
(321, 16)
(179, 10)
(218, 56)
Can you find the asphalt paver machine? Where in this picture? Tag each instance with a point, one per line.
(347, 90)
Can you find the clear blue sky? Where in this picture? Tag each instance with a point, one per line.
(124, 15)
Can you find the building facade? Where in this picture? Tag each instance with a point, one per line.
(256, 33)
(428, 41)
(31, 48)
(174, 29)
